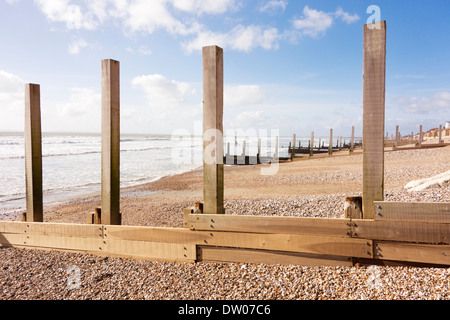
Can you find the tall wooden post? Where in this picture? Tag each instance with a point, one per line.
(276, 148)
(330, 145)
(259, 147)
(352, 141)
(420, 136)
(397, 137)
(311, 150)
(293, 144)
(110, 193)
(440, 134)
(33, 153)
(213, 192)
(373, 116)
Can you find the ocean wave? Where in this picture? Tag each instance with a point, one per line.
(88, 152)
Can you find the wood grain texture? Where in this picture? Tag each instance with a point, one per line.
(213, 173)
(373, 116)
(33, 154)
(110, 183)
(413, 211)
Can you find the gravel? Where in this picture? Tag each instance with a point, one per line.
(38, 274)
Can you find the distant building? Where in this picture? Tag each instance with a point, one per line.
(447, 125)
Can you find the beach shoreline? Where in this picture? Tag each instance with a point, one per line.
(324, 179)
(309, 188)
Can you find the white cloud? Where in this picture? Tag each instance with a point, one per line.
(11, 87)
(76, 45)
(143, 50)
(73, 15)
(243, 95)
(11, 2)
(240, 38)
(162, 93)
(437, 102)
(12, 94)
(249, 119)
(181, 18)
(274, 6)
(83, 102)
(345, 16)
(205, 6)
(314, 23)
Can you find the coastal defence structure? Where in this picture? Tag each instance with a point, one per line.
(387, 233)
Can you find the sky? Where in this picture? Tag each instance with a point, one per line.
(289, 65)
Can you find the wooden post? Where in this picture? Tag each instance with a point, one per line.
(110, 194)
(311, 150)
(373, 116)
(420, 136)
(440, 134)
(352, 141)
(33, 154)
(213, 174)
(276, 148)
(330, 145)
(259, 147)
(293, 145)
(397, 137)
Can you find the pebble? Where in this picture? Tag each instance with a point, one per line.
(51, 275)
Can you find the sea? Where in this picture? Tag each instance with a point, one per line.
(71, 163)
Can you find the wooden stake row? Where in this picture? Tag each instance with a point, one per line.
(110, 179)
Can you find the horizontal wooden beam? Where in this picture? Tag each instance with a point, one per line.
(221, 254)
(53, 229)
(315, 244)
(435, 254)
(413, 211)
(123, 248)
(262, 224)
(405, 231)
(307, 243)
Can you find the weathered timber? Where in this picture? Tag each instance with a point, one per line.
(373, 116)
(110, 183)
(413, 211)
(213, 174)
(33, 154)
(236, 255)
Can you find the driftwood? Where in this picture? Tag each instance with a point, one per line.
(441, 180)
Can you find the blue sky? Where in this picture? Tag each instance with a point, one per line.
(290, 65)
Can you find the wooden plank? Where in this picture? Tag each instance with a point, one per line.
(54, 242)
(124, 248)
(213, 191)
(52, 229)
(434, 254)
(308, 243)
(373, 116)
(110, 183)
(261, 224)
(413, 211)
(407, 231)
(220, 254)
(150, 250)
(293, 243)
(151, 234)
(33, 153)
